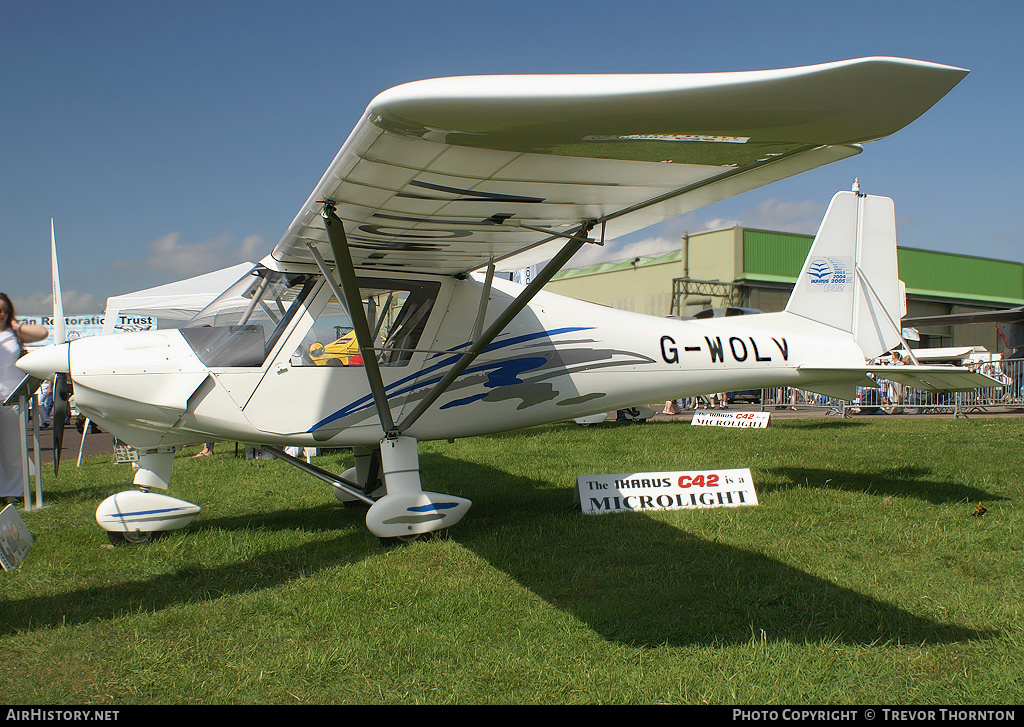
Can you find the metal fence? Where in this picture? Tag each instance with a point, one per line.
(893, 398)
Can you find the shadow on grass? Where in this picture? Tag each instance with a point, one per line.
(639, 581)
(906, 481)
(196, 583)
(631, 578)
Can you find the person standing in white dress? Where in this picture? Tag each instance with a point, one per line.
(13, 337)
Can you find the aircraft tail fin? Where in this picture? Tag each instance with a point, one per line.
(850, 279)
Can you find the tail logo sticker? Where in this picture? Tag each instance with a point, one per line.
(832, 273)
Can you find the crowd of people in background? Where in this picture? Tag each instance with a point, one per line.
(707, 401)
(890, 396)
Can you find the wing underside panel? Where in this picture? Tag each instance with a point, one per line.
(446, 175)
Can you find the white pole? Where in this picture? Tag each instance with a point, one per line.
(23, 432)
(81, 446)
(35, 447)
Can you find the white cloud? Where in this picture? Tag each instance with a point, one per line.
(169, 254)
(776, 215)
(41, 303)
(594, 254)
(717, 223)
(772, 214)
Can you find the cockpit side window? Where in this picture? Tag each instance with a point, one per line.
(404, 319)
(396, 311)
(330, 342)
(241, 327)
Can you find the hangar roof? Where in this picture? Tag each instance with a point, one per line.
(770, 256)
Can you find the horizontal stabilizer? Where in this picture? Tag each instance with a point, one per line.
(937, 379)
(839, 383)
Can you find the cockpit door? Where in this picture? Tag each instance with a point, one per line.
(317, 386)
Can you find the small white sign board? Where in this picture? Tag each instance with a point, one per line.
(15, 539)
(743, 419)
(646, 491)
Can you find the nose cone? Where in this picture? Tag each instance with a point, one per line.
(44, 362)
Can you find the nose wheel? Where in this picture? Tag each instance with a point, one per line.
(406, 539)
(137, 537)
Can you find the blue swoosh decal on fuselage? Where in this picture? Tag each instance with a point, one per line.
(413, 381)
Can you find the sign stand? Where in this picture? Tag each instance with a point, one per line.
(24, 397)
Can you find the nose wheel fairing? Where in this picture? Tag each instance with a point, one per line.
(134, 515)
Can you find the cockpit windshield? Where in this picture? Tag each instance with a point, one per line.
(243, 324)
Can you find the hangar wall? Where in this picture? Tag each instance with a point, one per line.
(754, 268)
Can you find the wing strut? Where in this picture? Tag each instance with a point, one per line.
(350, 289)
(576, 240)
(354, 302)
(485, 294)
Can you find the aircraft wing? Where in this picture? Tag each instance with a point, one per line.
(1009, 323)
(445, 175)
(1011, 315)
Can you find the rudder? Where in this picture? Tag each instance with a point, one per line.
(850, 280)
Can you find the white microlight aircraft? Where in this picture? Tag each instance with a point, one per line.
(378, 321)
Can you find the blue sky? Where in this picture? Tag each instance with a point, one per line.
(167, 139)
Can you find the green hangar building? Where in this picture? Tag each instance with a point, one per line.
(747, 268)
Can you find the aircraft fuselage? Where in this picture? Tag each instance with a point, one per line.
(558, 360)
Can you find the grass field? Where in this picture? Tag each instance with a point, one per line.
(862, 577)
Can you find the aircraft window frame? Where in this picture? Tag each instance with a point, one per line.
(407, 327)
(397, 311)
(232, 331)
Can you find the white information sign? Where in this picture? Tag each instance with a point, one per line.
(645, 491)
(15, 539)
(746, 419)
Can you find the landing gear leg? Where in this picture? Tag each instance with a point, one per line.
(406, 511)
(155, 469)
(366, 472)
(140, 516)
